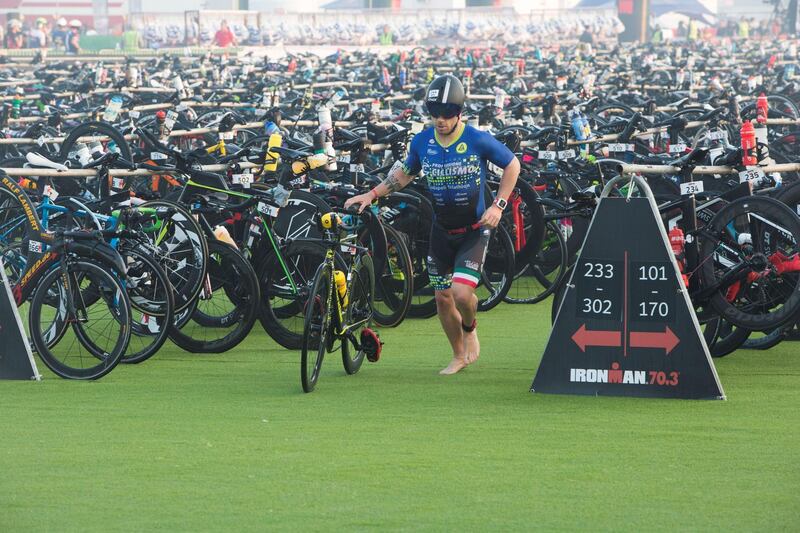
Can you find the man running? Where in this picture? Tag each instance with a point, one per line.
(453, 158)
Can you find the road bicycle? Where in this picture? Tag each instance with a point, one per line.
(339, 310)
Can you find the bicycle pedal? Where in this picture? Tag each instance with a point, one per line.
(371, 344)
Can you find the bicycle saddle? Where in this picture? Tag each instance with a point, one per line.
(40, 161)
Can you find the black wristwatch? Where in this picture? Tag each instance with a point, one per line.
(501, 203)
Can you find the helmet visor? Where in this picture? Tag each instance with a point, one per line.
(437, 110)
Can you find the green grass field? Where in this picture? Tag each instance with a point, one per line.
(229, 442)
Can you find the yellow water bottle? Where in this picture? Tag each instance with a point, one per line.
(429, 74)
(271, 160)
(341, 286)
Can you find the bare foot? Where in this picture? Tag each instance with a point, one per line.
(457, 364)
(472, 347)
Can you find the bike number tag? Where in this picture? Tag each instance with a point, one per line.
(50, 192)
(134, 114)
(548, 155)
(677, 148)
(566, 154)
(157, 156)
(356, 167)
(692, 187)
(243, 179)
(344, 158)
(751, 174)
(36, 247)
(716, 135)
(117, 183)
(348, 249)
(620, 147)
(267, 209)
(226, 135)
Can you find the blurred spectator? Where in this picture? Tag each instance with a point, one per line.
(74, 37)
(224, 36)
(587, 36)
(386, 37)
(130, 40)
(14, 38)
(743, 30)
(658, 35)
(693, 32)
(680, 31)
(61, 34)
(39, 36)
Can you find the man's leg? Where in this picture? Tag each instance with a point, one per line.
(450, 319)
(467, 274)
(467, 305)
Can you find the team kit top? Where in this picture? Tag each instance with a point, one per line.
(456, 173)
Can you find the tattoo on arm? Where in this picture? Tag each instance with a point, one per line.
(392, 183)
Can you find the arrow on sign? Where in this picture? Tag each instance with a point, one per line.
(666, 340)
(583, 338)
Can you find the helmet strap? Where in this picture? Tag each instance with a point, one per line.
(453, 130)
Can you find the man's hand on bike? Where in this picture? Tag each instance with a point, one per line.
(491, 217)
(362, 201)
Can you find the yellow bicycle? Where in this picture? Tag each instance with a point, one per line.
(339, 309)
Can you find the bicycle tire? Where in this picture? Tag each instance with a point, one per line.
(101, 359)
(498, 270)
(152, 298)
(234, 295)
(361, 291)
(779, 219)
(316, 327)
(394, 286)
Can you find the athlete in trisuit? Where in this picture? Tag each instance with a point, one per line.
(453, 156)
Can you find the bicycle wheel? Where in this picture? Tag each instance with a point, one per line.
(394, 285)
(316, 329)
(180, 247)
(359, 312)
(498, 270)
(152, 305)
(754, 240)
(116, 141)
(99, 332)
(229, 300)
(286, 280)
(537, 280)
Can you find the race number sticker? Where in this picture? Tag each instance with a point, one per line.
(692, 187)
(620, 147)
(266, 209)
(751, 174)
(227, 135)
(242, 179)
(716, 135)
(36, 247)
(566, 154)
(157, 156)
(677, 148)
(118, 183)
(50, 192)
(548, 155)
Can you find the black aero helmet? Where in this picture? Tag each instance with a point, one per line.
(445, 97)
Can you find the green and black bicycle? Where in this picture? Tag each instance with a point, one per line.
(339, 310)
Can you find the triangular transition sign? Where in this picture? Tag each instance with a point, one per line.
(16, 359)
(626, 326)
